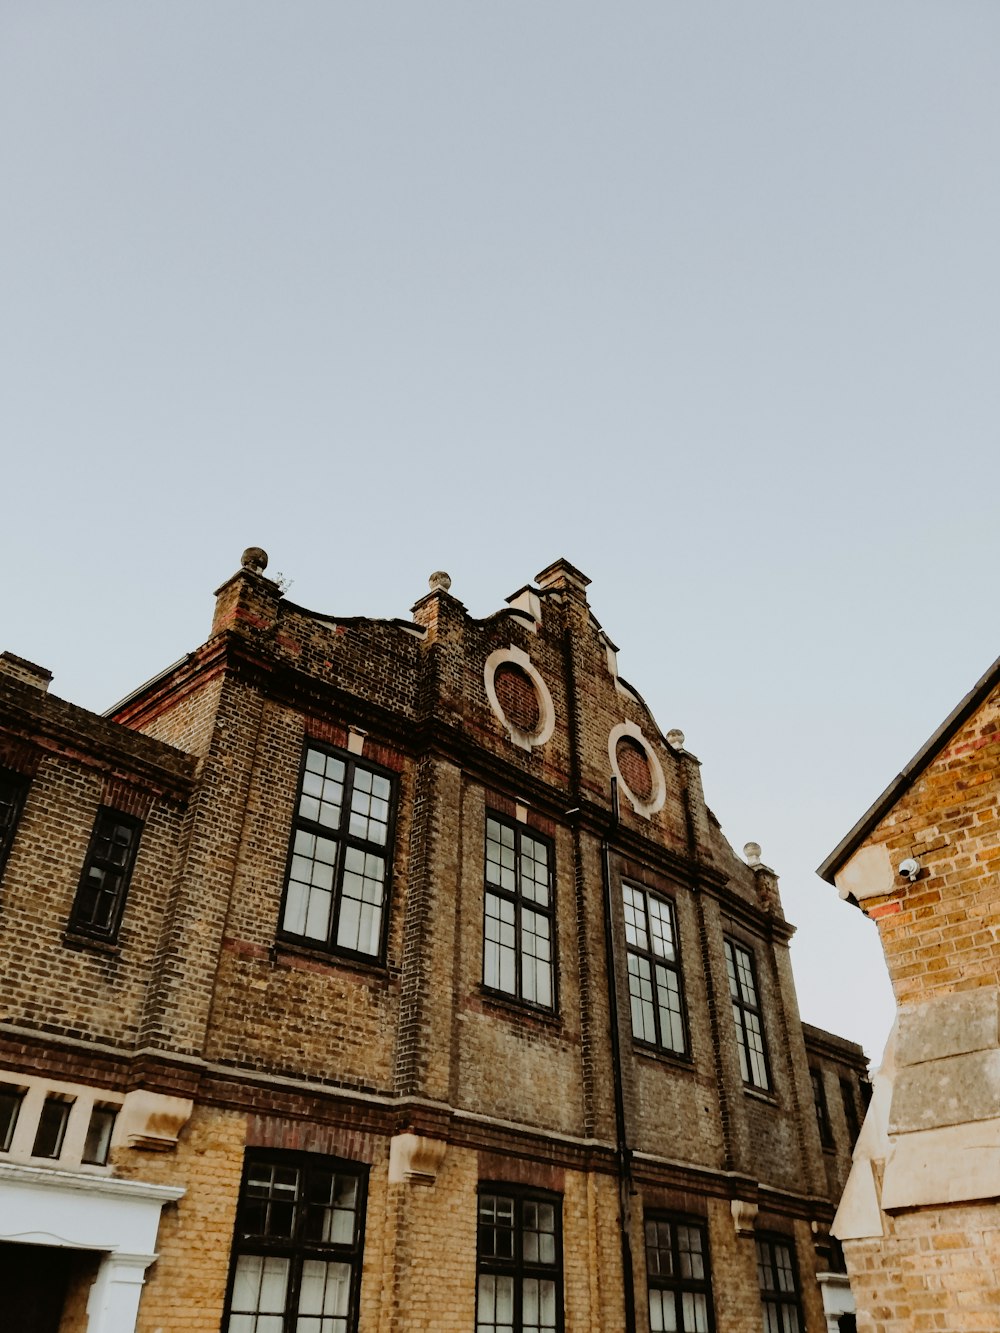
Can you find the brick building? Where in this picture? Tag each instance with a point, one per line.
(920, 1221)
(394, 975)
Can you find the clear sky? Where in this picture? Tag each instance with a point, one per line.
(703, 297)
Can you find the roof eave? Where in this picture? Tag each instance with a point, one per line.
(905, 779)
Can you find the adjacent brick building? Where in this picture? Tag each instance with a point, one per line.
(920, 1218)
(394, 975)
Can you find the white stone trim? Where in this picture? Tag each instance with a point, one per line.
(47, 1206)
(415, 1159)
(659, 793)
(50, 1178)
(838, 1298)
(546, 709)
(356, 740)
(145, 1119)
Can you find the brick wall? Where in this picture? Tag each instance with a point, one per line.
(283, 1044)
(950, 821)
(935, 1269)
(923, 1253)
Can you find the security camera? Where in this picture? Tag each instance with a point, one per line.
(909, 869)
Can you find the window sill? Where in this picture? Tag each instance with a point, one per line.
(759, 1095)
(682, 1063)
(293, 954)
(75, 940)
(508, 1006)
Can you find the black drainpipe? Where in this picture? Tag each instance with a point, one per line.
(623, 1156)
(623, 1153)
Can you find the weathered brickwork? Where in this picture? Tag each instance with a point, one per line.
(949, 821)
(935, 1269)
(222, 1026)
(919, 1221)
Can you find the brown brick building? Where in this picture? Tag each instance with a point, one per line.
(920, 1221)
(394, 975)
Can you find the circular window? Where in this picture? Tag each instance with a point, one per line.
(633, 764)
(517, 697)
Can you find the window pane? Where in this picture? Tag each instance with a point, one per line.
(741, 1040)
(496, 1226)
(783, 1267)
(329, 882)
(246, 1281)
(259, 1288)
(309, 903)
(677, 1269)
(695, 1307)
(776, 1275)
(330, 1208)
(518, 872)
(104, 878)
(10, 1106)
(744, 972)
(659, 1258)
(12, 789)
(360, 926)
(499, 968)
(496, 1304)
(536, 979)
(535, 871)
(635, 917)
(500, 855)
(325, 1290)
(640, 987)
(661, 928)
(518, 1278)
(662, 1312)
(98, 1142)
(51, 1128)
(322, 789)
(369, 807)
(293, 1207)
(755, 1050)
(692, 1264)
(669, 1001)
(270, 1200)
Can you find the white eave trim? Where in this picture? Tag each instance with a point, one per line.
(51, 1178)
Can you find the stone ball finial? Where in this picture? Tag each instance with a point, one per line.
(752, 853)
(254, 558)
(675, 737)
(439, 581)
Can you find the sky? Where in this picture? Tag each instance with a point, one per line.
(701, 296)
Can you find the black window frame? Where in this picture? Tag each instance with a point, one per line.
(655, 960)
(782, 1302)
(64, 1108)
(742, 1006)
(674, 1282)
(99, 1145)
(13, 1094)
(343, 839)
(866, 1092)
(517, 899)
(822, 1106)
(298, 1248)
(516, 1267)
(106, 817)
(851, 1116)
(13, 793)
